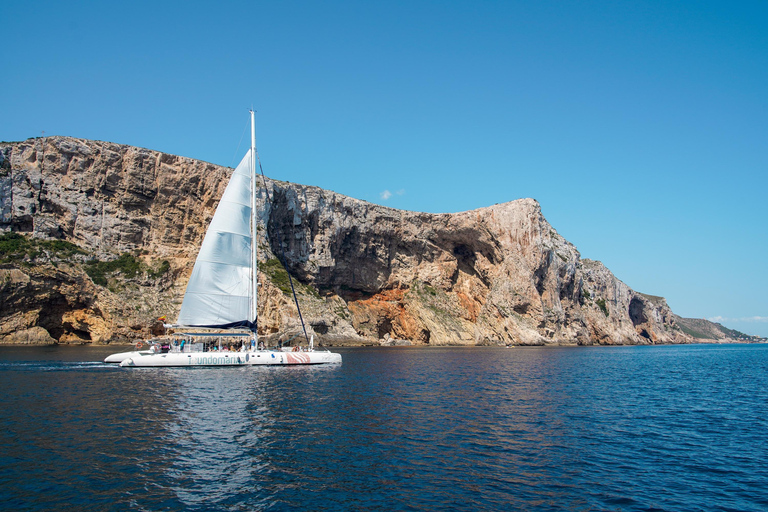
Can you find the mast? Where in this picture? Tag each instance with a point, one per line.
(254, 243)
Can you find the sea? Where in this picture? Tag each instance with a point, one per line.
(673, 428)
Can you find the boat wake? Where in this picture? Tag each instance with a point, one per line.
(52, 366)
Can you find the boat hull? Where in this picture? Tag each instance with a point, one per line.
(121, 356)
(251, 358)
(268, 357)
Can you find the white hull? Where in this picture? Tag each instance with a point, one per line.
(250, 358)
(121, 356)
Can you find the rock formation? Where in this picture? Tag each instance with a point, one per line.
(105, 236)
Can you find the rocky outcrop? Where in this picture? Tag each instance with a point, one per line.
(364, 273)
(496, 275)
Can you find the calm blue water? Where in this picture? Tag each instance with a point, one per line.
(613, 428)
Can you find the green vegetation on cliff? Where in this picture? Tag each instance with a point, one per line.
(18, 248)
(27, 251)
(277, 274)
(601, 304)
(126, 264)
(164, 267)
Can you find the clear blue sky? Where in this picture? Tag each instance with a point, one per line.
(640, 127)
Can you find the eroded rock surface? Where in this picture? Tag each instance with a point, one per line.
(492, 276)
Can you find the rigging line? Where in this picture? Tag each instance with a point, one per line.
(289, 340)
(282, 251)
(232, 164)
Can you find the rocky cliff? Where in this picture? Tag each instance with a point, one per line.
(100, 240)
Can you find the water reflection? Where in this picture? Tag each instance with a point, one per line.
(237, 435)
(634, 428)
(209, 434)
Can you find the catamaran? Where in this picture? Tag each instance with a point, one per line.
(221, 295)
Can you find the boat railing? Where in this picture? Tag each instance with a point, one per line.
(187, 347)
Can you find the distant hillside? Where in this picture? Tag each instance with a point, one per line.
(702, 329)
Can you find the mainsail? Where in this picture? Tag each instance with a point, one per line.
(219, 293)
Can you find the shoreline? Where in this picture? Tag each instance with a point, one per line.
(724, 341)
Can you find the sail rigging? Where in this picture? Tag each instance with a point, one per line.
(281, 255)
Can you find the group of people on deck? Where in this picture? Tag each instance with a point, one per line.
(243, 346)
(227, 347)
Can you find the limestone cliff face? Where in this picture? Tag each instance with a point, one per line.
(496, 275)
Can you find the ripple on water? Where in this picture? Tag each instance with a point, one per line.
(624, 428)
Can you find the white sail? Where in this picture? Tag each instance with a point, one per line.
(222, 289)
(219, 290)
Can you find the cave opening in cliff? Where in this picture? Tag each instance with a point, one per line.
(540, 276)
(636, 312)
(465, 257)
(320, 328)
(23, 224)
(78, 333)
(51, 315)
(521, 308)
(385, 327)
(466, 261)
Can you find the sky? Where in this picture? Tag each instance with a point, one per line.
(640, 127)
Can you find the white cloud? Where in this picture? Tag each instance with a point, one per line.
(721, 319)
(388, 195)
